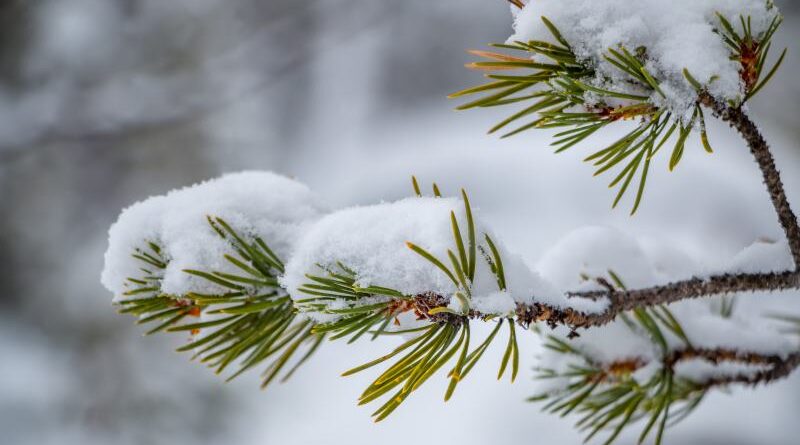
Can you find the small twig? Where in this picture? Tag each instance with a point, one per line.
(771, 366)
(778, 366)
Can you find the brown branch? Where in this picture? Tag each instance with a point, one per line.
(620, 301)
(777, 366)
(739, 120)
(626, 300)
(774, 366)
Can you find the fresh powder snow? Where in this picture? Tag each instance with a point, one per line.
(371, 241)
(674, 34)
(263, 204)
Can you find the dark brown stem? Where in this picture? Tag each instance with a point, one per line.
(624, 300)
(739, 120)
(771, 366)
(776, 366)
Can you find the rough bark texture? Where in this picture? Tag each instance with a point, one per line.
(626, 300)
(777, 366)
(737, 119)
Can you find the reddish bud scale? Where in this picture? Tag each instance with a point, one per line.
(748, 58)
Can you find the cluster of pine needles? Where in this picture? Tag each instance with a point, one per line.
(555, 91)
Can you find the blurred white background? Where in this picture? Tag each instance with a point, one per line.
(105, 102)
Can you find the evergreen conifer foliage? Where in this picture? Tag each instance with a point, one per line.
(561, 90)
(259, 275)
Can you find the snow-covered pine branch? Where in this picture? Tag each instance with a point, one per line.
(258, 272)
(352, 273)
(578, 66)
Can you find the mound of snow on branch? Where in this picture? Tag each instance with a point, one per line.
(371, 241)
(263, 204)
(676, 34)
(592, 252)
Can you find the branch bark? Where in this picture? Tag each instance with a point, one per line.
(739, 120)
(777, 366)
(624, 300)
(772, 366)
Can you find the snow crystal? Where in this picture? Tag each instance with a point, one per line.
(273, 207)
(677, 34)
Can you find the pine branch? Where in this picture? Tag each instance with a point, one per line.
(699, 287)
(565, 95)
(613, 395)
(778, 366)
(563, 84)
(447, 330)
(739, 120)
(625, 300)
(258, 322)
(426, 306)
(251, 320)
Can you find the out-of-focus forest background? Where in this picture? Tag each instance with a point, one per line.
(105, 102)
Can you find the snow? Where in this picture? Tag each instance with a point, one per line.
(644, 374)
(700, 370)
(706, 329)
(273, 207)
(371, 241)
(615, 342)
(494, 303)
(762, 256)
(594, 251)
(676, 34)
(642, 262)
